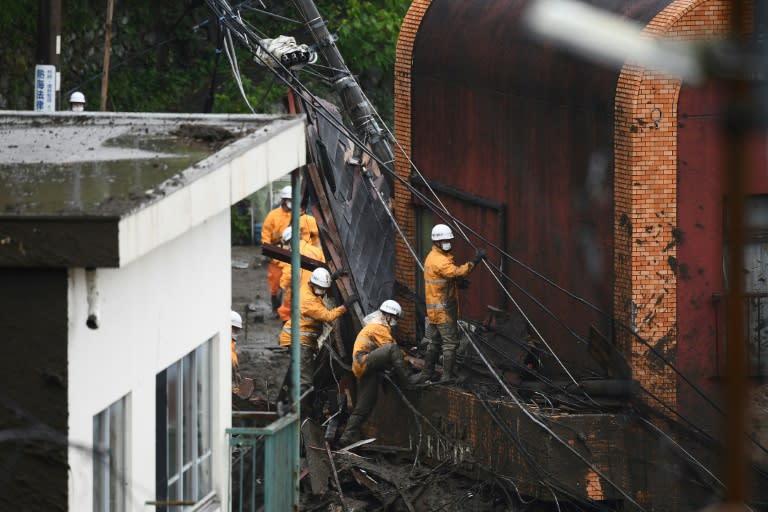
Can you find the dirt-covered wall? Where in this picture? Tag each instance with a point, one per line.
(33, 389)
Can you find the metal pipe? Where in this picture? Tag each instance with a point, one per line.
(92, 293)
(734, 129)
(295, 316)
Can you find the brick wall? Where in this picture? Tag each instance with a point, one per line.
(405, 269)
(646, 198)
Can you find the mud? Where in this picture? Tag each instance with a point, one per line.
(260, 357)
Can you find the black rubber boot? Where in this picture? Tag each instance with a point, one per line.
(352, 431)
(428, 372)
(449, 359)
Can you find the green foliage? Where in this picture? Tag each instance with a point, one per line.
(159, 63)
(240, 224)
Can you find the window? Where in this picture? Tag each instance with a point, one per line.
(755, 273)
(184, 431)
(109, 466)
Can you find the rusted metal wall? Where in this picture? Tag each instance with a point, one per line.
(501, 116)
(701, 242)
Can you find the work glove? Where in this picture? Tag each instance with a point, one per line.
(479, 255)
(351, 300)
(463, 284)
(339, 273)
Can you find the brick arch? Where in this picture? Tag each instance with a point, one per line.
(405, 270)
(645, 191)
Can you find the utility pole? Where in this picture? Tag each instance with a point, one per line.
(356, 104)
(107, 54)
(49, 38)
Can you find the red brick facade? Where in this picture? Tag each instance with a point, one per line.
(645, 149)
(405, 269)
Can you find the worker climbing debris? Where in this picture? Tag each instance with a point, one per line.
(441, 277)
(375, 350)
(313, 314)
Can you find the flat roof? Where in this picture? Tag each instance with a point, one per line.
(101, 179)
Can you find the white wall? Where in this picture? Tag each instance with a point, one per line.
(153, 311)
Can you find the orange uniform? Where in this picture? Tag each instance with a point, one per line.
(313, 314)
(370, 337)
(440, 290)
(305, 249)
(308, 229)
(271, 232)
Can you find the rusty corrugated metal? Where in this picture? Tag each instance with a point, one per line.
(503, 117)
(364, 227)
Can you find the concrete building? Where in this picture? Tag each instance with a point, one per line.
(116, 288)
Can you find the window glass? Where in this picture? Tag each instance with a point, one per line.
(203, 401)
(187, 428)
(172, 376)
(109, 460)
(204, 475)
(188, 399)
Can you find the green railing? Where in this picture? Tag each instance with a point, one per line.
(261, 469)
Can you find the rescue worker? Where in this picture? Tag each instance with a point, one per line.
(308, 227)
(313, 315)
(375, 350)
(441, 278)
(271, 232)
(237, 327)
(305, 249)
(77, 102)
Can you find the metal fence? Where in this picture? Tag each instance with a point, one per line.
(755, 329)
(261, 472)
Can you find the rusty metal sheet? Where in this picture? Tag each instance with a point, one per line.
(365, 229)
(501, 116)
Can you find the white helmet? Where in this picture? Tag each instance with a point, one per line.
(286, 193)
(441, 232)
(236, 320)
(77, 97)
(392, 307)
(286, 236)
(321, 277)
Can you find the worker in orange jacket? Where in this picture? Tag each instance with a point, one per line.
(313, 315)
(308, 228)
(237, 326)
(305, 249)
(375, 350)
(441, 277)
(271, 232)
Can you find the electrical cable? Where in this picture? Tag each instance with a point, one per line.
(343, 130)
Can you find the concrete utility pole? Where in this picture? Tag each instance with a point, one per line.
(357, 106)
(49, 38)
(107, 54)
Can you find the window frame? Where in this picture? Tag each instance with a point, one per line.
(109, 477)
(191, 385)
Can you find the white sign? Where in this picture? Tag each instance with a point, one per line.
(45, 88)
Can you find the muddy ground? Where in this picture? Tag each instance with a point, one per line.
(258, 350)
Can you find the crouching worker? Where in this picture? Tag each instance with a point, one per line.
(375, 350)
(313, 315)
